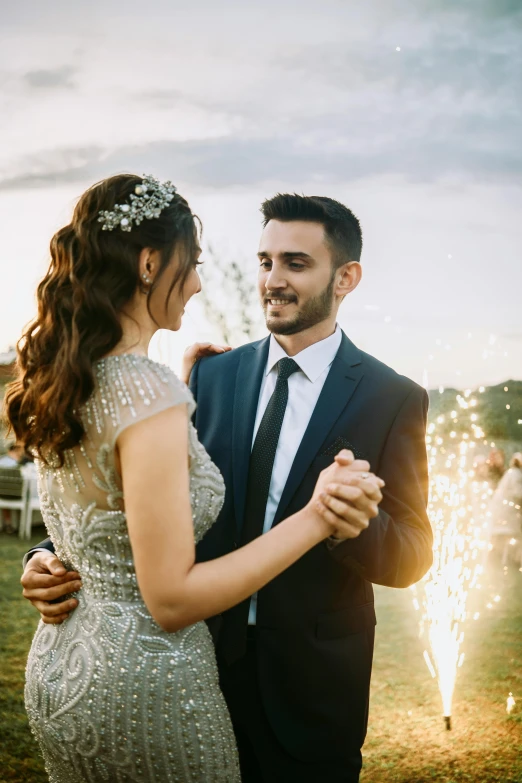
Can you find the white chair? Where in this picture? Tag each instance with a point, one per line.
(13, 494)
(32, 502)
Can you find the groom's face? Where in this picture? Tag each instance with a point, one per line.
(296, 276)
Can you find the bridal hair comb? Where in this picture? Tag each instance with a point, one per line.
(148, 200)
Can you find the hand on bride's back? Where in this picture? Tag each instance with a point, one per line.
(47, 585)
(198, 351)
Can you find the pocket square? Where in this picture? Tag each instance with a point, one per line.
(341, 443)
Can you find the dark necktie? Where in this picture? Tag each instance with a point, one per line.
(232, 643)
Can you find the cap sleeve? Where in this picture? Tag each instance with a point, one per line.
(131, 389)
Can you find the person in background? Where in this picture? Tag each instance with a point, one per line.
(13, 456)
(481, 491)
(481, 468)
(496, 467)
(10, 460)
(506, 513)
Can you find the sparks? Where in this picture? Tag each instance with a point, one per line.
(456, 509)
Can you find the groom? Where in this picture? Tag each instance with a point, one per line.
(295, 659)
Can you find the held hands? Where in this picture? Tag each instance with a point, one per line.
(198, 351)
(45, 580)
(347, 496)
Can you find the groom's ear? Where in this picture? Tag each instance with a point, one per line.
(348, 276)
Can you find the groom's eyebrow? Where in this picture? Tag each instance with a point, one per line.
(287, 255)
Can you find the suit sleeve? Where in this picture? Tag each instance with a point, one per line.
(193, 383)
(396, 549)
(47, 544)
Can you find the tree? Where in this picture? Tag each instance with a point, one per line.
(230, 301)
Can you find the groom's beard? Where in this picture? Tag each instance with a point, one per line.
(313, 312)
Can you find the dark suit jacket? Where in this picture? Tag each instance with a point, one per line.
(316, 620)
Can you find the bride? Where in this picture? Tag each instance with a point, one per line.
(126, 688)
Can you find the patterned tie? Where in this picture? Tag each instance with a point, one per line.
(232, 642)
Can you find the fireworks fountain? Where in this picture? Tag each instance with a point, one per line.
(458, 509)
(460, 543)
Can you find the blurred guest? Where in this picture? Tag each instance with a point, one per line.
(29, 470)
(13, 456)
(481, 468)
(480, 490)
(496, 467)
(10, 460)
(506, 512)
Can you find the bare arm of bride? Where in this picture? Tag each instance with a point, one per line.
(178, 591)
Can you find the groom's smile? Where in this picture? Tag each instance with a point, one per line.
(276, 304)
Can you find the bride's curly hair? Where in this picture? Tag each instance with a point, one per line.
(93, 274)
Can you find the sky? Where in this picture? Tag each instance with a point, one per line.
(409, 113)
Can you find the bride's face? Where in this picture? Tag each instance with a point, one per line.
(168, 310)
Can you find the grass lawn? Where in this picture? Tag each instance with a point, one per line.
(407, 741)
(19, 754)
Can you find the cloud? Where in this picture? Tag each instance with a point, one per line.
(449, 100)
(53, 168)
(57, 78)
(338, 106)
(233, 160)
(160, 98)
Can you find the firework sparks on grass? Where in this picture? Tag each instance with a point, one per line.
(459, 513)
(457, 507)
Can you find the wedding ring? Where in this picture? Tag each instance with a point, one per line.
(365, 475)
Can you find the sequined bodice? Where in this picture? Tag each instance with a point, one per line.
(110, 696)
(82, 502)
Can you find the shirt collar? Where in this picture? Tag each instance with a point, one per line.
(313, 361)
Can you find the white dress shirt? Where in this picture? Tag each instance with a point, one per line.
(304, 388)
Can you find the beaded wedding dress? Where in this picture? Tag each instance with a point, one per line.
(111, 696)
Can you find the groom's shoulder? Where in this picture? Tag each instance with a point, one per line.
(226, 362)
(387, 376)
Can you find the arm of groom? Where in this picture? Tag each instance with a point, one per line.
(193, 379)
(43, 546)
(396, 548)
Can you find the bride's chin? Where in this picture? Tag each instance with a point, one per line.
(176, 325)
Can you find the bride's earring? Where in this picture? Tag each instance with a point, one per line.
(146, 283)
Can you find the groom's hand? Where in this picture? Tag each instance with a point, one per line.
(45, 581)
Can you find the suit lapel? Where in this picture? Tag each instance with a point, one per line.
(248, 384)
(343, 378)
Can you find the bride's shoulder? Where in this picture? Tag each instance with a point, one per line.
(140, 385)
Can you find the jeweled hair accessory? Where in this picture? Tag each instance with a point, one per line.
(147, 202)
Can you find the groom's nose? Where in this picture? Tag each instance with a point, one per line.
(275, 280)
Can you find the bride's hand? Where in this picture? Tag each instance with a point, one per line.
(198, 351)
(347, 496)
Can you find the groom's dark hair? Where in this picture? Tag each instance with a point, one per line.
(341, 227)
